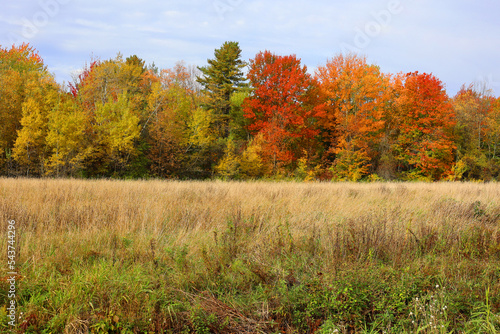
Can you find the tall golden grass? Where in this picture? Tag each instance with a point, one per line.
(186, 211)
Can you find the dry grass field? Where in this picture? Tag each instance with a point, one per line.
(252, 257)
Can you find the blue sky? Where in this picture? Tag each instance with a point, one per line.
(458, 41)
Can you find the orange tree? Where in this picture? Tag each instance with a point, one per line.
(357, 95)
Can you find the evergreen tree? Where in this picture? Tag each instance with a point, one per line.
(220, 79)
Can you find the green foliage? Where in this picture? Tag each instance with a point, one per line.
(201, 322)
(238, 123)
(483, 318)
(221, 78)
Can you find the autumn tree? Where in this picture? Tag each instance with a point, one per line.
(114, 85)
(30, 149)
(102, 80)
(472, 107)
(116, 129)
(251, 164)
(84, 78)
(229, 166)
(20, 67)
(65, 140)
(171, 105)
(283, 107)
(493, 136)
(424, 119)
(476, 131)
(121, 118)
(357, 95)
(492, 140)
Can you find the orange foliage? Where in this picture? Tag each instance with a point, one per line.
(357, 95)
(424, 117)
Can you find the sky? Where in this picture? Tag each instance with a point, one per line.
(457, 41)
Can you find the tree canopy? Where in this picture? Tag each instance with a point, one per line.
(267, 117)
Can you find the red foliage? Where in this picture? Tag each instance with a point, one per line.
(284, 105)
(83, 78)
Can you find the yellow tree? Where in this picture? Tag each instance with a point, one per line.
(251, 162)
(116, 129)
(104, 86)
(18, 66)
(493, 136)
(472, 106)
(10, 111)
(475, 131)
(65, 139)
(29, 148)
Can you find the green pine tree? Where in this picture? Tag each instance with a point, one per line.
(221, 78)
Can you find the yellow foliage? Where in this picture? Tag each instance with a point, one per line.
(229, 165)
(29, 148)
(65, 139)
(457, 171)
(201, 133)
(252, 164)
(117, 129)
(350, 165)
(304, 171)
(29, 143)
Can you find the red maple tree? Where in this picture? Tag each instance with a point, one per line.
(283, 106)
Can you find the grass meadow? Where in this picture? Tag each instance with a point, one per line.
(102, 256)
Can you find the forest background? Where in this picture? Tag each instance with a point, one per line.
(267, 118)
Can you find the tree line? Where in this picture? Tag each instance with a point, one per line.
(349, 121)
